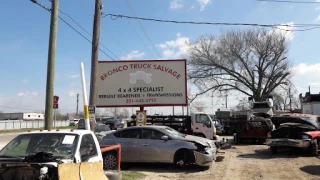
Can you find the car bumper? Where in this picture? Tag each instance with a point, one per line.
(301, 143)
(204, 159)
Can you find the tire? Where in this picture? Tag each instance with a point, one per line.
(314, 148)
(113, 175)
(273, 149)
(180, 158)
(110, 161)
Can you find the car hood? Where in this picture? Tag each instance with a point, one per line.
(200, 140)
(278, 120)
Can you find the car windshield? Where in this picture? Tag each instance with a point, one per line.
(172, 132)
(60, 145)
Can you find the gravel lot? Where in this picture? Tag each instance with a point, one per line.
(241, 162)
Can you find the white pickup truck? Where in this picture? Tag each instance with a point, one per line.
(57, 154)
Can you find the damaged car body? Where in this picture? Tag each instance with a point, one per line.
(52, 155)
(162, 144)
(296, 130)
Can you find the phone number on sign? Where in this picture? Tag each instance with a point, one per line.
(148, 100)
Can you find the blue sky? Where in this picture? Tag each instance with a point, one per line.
(24, 35)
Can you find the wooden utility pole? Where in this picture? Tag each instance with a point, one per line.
(77, 112)
(290, 98)
(95, 56)
(51, 64)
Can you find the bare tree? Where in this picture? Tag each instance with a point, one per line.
(282, 98)
(253, 62)
(124, 113)
(198, 106)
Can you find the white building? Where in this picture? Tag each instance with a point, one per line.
(21, 116)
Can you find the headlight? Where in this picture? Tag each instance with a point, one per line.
(305, 137)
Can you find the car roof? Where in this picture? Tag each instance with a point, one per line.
(145, 127)
(75, 131)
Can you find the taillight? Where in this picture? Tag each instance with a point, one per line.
(214, 133)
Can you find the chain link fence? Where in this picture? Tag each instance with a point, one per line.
(20, 124)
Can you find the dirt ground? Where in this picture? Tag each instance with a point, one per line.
(242, 162)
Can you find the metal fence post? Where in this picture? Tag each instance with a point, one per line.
(5, 124)
(13, 124)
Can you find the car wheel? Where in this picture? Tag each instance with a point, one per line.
(314, 147)
(110, 161)
(180, 158)
(273, 149)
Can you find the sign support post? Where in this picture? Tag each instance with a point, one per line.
(85, 98)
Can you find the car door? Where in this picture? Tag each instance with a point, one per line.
(130, 144)
(153, 149)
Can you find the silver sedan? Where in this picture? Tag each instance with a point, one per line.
(160, 144)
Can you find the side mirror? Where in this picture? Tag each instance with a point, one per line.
(164, 137)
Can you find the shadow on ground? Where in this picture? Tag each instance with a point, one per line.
(282, 153)
(312, 170)
(165, 168)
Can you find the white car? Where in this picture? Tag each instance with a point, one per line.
(74, 122)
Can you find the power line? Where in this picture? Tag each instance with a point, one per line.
(88, 32)
(298, 2)
(109, 32)
(49, 10)
(154, 47)
(277, 26)
(115, 1)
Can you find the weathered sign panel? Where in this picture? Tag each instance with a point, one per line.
(142, 83)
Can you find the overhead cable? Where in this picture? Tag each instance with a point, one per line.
(49, 10)
(277, 26)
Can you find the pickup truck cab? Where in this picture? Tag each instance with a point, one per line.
(54, 154)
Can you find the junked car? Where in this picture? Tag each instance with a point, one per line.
(162, 144)
(295, 130)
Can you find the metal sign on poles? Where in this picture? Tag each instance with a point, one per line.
(92, 113)
(141, 118)
(55, 107)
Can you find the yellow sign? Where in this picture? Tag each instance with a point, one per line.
(86, 112)
(141, 118)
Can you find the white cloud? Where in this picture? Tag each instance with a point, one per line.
(175, 48)
(318, 8)
(318, 18)
(73, 76)
(133, 55)
(176, 4)
(72, 94)
(285, 29)
(27, 94)
(306, 75)
(304, 69)
(25, 81)
(203, 3)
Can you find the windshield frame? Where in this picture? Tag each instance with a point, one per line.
(73, 150)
